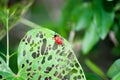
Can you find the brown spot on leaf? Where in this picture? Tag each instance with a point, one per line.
(39, 78)
(43, 47)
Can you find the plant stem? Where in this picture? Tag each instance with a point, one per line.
(29, 23)
(7, 30)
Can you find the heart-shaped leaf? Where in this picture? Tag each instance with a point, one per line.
(41, 58)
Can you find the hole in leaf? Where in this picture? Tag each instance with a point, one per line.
(43, 46)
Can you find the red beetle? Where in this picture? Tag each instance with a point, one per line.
(58, 40)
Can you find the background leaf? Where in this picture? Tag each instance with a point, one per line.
(16, 12)
(90, 76)
(114, 69)
(104, 19)
(3, 3)
(100, 25)
(95, 69)
(116, 77)
(91, 16)
(84, 15)
(5, 72)
(91, 37)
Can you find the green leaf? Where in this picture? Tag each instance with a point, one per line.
(95, 69)
(82, 16)
(5, 72)
(104, 19)
(68, 9)
(114, 69)
(70, 15)
(15, 13)
(89, 15)
(100, 25)
(90, 76)
(3, 3)
(116, 77)
(91, 37)
(40, 57)
(3, 16)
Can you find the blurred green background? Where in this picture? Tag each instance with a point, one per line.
(91, 26)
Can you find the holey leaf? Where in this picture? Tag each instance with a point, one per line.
(41, 58)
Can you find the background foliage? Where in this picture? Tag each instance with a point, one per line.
(91, 26)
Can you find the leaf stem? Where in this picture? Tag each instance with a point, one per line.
(2, 54)
(7, 30)
(95, 69)
(29, 23)
(13, 54)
